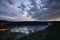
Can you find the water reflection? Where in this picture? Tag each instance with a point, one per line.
(29, 29)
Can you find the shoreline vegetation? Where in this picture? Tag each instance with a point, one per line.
(50, 33)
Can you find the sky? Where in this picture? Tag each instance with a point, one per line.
(30, 10)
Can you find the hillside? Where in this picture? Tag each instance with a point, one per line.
(51, 33)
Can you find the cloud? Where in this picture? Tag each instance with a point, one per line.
(49, 10)
(7, 18)
(11, 2)
(7, 10)
(11, 12)
(43, 10)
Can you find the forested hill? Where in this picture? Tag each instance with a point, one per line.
(21, 23)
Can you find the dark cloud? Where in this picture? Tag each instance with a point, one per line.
(11, 2)
(49, 10)
(5, 2)
(7, 14)
(44, 10)
(4, 9)
(8, 11)
(22, 7)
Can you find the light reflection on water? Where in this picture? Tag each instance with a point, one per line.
(28, 29)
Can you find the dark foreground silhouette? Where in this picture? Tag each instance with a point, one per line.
(51, 33)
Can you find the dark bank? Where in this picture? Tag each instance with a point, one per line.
(52, 32)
